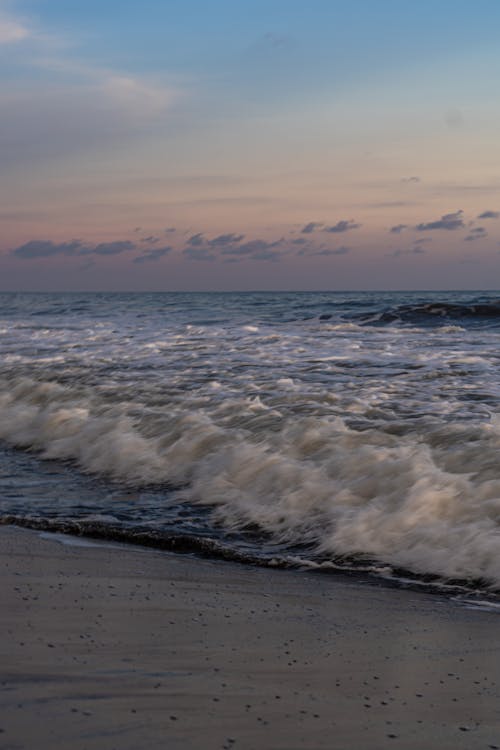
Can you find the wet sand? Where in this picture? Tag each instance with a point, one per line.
(116, 647)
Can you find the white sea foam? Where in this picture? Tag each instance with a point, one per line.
(428, 501)
(450, 329)
(373, 440)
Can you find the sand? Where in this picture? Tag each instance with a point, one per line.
(114, 647)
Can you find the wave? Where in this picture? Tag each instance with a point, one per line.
(427, 501)
(170, 541)
(434, 313)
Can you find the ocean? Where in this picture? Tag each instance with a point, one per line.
(353, 431)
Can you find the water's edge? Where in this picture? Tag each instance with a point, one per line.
(467, 592)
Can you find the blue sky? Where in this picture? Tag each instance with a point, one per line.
(124, 121)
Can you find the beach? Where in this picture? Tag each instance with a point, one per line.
(249, 376)
(111, 646)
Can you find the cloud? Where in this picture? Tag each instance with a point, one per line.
(311, 227)
(65, 107)
(489, 215)
(12, 31)
(478, 233)
(410, 179)
(110, 248)
(153, 255)
(447, 221)
(196, 240)
(345, 225)
(134, 95)
(41, 123)
(46, 248)
(170, 230)
(398, 228)
(230, 246)
(223, 240)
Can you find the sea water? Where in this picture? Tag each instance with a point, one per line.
(357, 430)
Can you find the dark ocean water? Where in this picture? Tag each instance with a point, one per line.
(351, 430)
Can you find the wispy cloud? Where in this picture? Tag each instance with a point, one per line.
(67, 106)
(398, 228)
(41, 122)
(134, 96)
(12, 30)
(478, 233)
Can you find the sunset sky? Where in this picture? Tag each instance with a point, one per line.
(177, 145)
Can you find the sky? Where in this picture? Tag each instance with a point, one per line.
(187, 145)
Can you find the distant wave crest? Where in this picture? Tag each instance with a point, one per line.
(435, 313)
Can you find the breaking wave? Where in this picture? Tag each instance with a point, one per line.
(426, 500)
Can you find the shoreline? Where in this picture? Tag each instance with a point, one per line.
(106, 646)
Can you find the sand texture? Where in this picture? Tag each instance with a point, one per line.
(116, 647)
